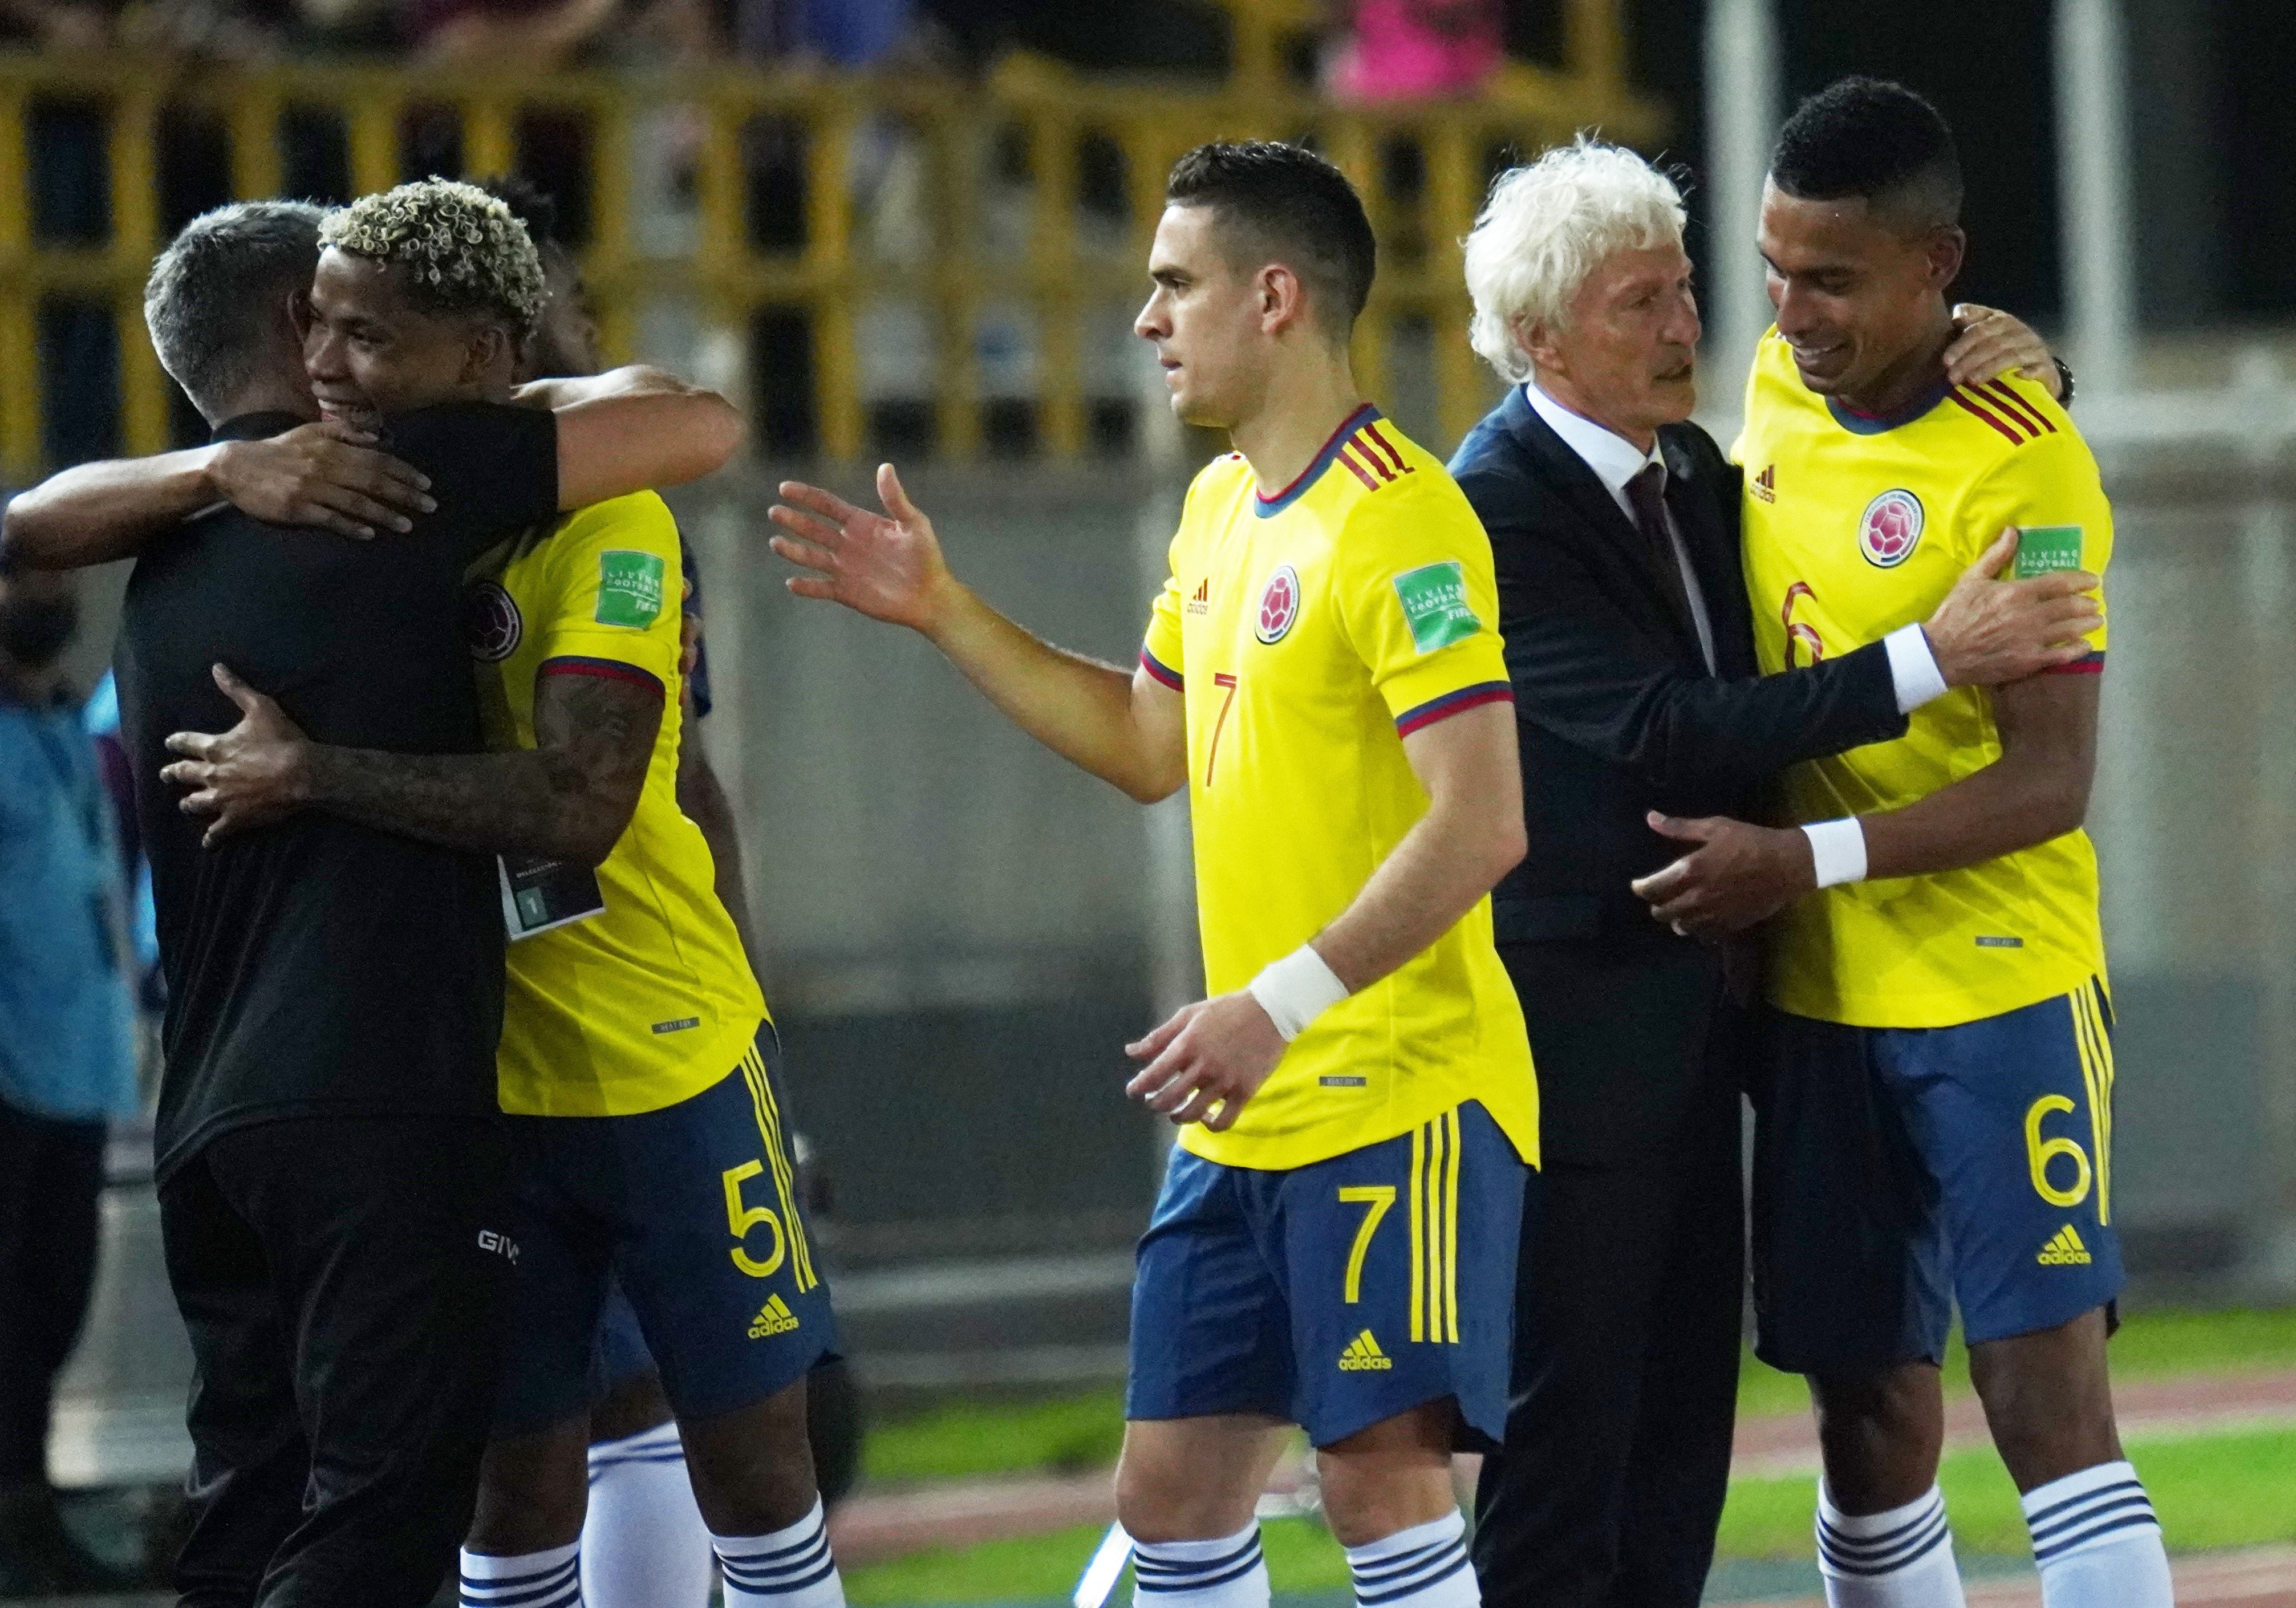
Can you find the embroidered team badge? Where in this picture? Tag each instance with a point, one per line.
(491, 619)
(1279, 606)
(1891, 529)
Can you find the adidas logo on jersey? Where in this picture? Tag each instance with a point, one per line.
(1363, 1354)
(1765, 485)
(774, 1317)
(1201, 603)
(2065, 1249)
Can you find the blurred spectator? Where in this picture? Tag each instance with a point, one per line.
(1416, 50)
(67, 1063)
(841, 33)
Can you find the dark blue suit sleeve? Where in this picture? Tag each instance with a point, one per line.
(1607, 681)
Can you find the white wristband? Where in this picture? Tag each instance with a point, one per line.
(1296, 990)
(1913, 673)
(1837, 850)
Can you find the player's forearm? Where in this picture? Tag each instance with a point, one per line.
(2011, 804)
(702, 797)
(1079, 707)
(1447, 862)
(530, 801)
(614, 443)
(97, 512)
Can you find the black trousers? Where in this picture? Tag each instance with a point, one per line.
(342, 1279)
(1609, 1488)
(50, 1181)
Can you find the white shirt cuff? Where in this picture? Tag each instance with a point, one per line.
(1912, 669)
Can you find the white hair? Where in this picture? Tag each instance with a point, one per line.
(1546, 227)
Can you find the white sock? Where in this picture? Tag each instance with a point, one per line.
(2097, 1542)
(538, 1579)
(1422, 1567)
(791, 1568)
(643, 1543)
(1226, 1572)
(1899, 1559)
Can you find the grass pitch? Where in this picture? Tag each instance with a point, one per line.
(2211, 1491)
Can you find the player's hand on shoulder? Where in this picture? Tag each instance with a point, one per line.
(1989, 631)
(248, 777)
(1989, 343)
(887, 566)
(329, 475)
(1207, 1060)
(1733, 876)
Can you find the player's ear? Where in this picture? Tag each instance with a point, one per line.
(1282, 298)
(488, 344)
(1945, 249)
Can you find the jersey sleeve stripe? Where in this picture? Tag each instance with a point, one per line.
(1162, 672)
(2093, 665)
(1451, 703)
(605, 669)
(2018, 408)
(1968, 404)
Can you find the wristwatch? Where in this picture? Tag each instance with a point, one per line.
(2064, 382)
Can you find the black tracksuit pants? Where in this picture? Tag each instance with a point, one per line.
(342, 1277)
(51, 1183)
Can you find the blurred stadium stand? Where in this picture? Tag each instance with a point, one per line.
(941, 265)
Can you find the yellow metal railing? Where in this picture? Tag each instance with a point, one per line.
(1421, 169)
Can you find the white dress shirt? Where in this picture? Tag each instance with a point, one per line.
(1615, 460)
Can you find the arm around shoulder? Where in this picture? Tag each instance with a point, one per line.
(633, 427)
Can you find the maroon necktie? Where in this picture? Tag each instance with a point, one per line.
(1645, 494)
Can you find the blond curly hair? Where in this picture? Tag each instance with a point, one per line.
(463, 250)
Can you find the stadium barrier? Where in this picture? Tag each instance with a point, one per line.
(772, 226)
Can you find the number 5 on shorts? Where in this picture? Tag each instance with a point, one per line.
(740, 1218)
(1378, 1197)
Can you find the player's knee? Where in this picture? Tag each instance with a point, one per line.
(1390, 1477)
(1155, 1505)
(2048, 1400)
(752, 1467)
(532, 1492)
(1880, 1433)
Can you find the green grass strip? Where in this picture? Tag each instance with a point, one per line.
(2214, 1492)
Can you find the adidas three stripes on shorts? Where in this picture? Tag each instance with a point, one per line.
(1899, 1172)
(1337, 1295)
(692, 1208)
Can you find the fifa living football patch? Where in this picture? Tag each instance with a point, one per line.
(629, 588)
(2045, 548)
(1434, 598)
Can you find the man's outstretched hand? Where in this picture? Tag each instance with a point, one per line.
(329, 475)
(887, 566)
(1989, 632)
(1733, 876)
(248, 777)
(1207, 1060)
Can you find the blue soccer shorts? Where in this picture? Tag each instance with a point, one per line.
(692, 1210)
(1900, 1171)
(1339, 1294)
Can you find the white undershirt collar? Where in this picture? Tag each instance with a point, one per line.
(1614, 459)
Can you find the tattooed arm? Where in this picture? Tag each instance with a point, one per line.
(568, 797)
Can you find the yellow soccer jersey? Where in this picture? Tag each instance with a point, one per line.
(1854, 525)
(651, 1001)
(1308, 633)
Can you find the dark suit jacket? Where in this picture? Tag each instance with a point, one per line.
(1618, 715)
